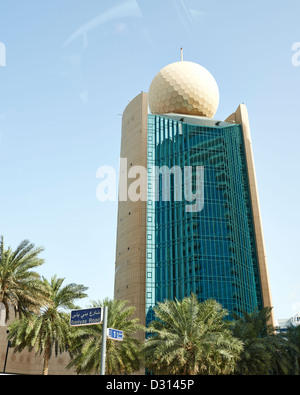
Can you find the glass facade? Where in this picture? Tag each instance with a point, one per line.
(211, 252)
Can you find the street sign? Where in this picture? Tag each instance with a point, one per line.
(115, 334)
(92, 316)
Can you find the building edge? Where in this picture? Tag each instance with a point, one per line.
(240, 116)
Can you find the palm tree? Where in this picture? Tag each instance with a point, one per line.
(292, 336)
(121, 357)
(50, 329)
(264, 351)
(188, 337)
(20, 287)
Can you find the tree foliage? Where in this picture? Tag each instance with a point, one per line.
(189, 337)
(121, 357)
(49, 330)
(186, 337)
(292, 338)
(264, 351)
(20, 286)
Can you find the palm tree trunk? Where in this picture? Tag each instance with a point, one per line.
(46, 358)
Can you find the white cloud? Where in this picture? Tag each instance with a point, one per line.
(128, 8)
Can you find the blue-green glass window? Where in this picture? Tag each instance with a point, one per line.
(211, 253)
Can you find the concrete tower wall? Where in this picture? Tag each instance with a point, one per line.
(130, 269)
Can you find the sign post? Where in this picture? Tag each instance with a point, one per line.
(103, 348)
(94, 316)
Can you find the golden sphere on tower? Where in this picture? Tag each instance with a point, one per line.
(184, 88)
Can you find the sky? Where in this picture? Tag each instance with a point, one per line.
(68, 71)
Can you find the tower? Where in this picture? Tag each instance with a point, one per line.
(197, 228)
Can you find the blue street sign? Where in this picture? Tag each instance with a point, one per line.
(92, 316)
(115, 334)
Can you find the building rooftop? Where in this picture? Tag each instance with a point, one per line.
(196, 120)
(284, 323)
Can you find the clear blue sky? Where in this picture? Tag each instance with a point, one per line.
(72, 66)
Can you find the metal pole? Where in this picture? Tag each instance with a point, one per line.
(104, 333)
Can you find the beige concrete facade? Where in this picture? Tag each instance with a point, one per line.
(130, 265)
(241, 117)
